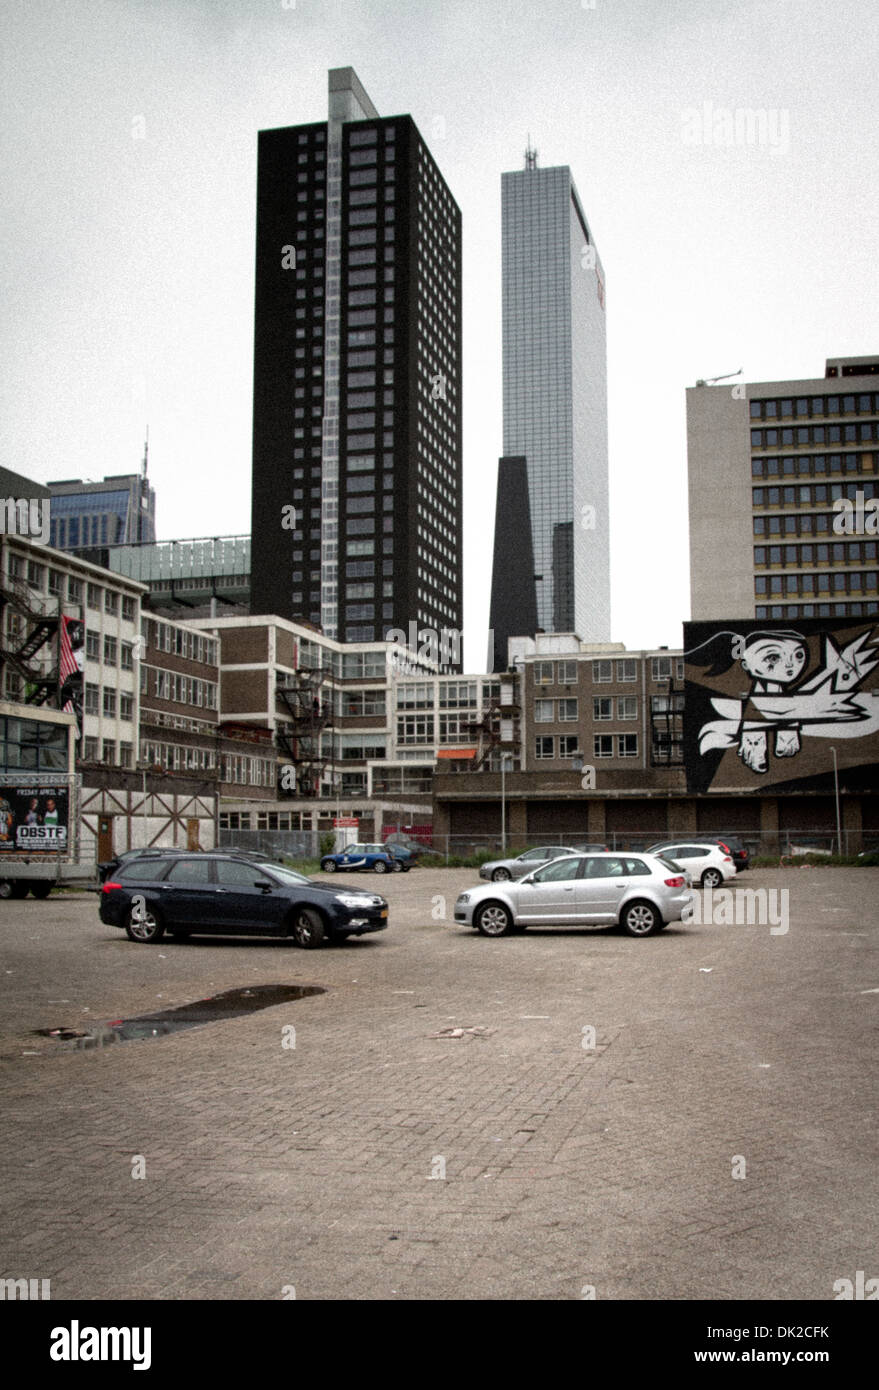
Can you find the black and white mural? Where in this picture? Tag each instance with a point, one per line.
(766, 703)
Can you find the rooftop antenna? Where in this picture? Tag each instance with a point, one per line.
(530, 156)
(711, 380)
(144, 487)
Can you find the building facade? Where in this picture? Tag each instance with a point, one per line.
(120, 510)
(555, 393)
(356, 517)
(783, 477)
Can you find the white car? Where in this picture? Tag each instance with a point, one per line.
(707, 864)
(636, 891)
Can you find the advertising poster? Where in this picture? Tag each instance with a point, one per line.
(33, 818)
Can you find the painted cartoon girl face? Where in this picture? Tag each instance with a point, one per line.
(780, 659)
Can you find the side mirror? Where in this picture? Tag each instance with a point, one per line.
(529, 878)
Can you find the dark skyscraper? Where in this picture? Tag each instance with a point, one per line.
(513, 602)
(357, 376)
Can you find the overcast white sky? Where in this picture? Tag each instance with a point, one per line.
(127, 263)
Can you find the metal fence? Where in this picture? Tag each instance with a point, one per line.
(305, 844)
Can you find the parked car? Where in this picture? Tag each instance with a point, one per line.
(502, 870)
(706, 862)
(741, 855)
(636, 891)
(256, 856)
(222, 894)
(399, 842)
(112, 866)
(374, 857)
(409, 854)
(592, 849)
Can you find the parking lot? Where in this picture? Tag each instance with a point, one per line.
(690, 1115)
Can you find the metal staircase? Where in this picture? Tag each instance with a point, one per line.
(41, 684)
(308, 699)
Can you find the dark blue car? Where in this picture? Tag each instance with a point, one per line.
(221, 894)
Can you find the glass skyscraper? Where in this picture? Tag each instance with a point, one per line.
(357, 376)
(555, 394)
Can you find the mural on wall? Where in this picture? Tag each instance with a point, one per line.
(765, 703)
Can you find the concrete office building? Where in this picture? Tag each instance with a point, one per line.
(357, 376)
(773, 468)
(555, 395)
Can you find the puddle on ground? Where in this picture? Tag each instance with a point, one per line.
(232, 1003)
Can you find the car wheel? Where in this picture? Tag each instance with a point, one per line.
(398, 866)
(328, 866)
(41, 890)
(501, 876)
(18, 890)
(640, 919)
(380, 866)
(145, 926)
(5, 889)
(711, 878)
(308, 929)
(493, 919)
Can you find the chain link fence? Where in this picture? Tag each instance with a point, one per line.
(305, 844)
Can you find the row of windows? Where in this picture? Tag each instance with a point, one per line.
(798, 524)
(802, 407)
(34, 744)
(803, 435)
(812, 465)
(817, 610)
(662, 668)
(603, 746)
(545, 711)
(814, 495)
(110, 651)
(111, 753)
(105, 699)
(96, 597)
(193, 646)
(841, 553)
(184, 690)
(849, 582)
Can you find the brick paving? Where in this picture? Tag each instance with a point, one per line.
(565, 1168)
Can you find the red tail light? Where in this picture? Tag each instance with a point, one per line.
(675, 882)
(726, 859)
(108, 887)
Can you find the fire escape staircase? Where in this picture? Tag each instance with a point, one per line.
(307, 699)
(40, 685)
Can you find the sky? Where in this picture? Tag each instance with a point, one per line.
(129, 132)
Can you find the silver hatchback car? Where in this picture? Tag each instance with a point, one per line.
(639, 892)
(502, 870)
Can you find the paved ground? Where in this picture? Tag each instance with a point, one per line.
(268, 1167)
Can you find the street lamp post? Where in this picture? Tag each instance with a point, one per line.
(504, 757)
(836, 791)
(142, 769)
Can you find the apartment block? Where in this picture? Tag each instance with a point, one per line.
(783, 477)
